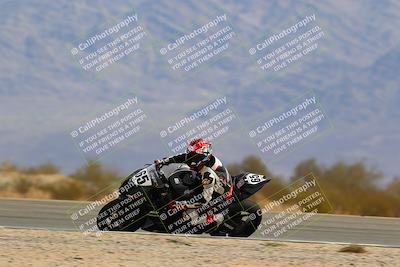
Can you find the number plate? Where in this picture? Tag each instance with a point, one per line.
(142, 178)
(252, 178)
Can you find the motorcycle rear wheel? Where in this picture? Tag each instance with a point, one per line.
(243, 221)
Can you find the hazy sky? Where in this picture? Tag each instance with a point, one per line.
(218, 69)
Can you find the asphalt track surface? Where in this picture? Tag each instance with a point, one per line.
(320, 228)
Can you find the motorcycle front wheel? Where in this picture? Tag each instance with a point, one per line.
(118, 215)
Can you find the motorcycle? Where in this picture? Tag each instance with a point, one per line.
(151, 201)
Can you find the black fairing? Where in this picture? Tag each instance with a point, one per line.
(243, 189)
(183, 183)
(125, 182)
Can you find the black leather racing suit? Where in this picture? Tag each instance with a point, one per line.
(205, 165)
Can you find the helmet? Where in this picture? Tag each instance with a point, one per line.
(199, 146)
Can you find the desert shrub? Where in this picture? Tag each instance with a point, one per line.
(96, 178)
(353, 188)
(353, 249)
(22, 184)
(68, 189)
(7, 166)
(47, 168)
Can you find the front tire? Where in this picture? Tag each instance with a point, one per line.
(118, 216)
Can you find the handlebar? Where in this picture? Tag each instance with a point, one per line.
(160, 172)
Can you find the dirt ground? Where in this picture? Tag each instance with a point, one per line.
(58, 248)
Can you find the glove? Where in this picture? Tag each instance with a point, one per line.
(210, 218)
(159, 163)
(229, 193)
(218, 218)
(178, 205)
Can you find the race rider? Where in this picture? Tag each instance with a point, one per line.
(200, 159)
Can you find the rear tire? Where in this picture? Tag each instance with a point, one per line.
(245, 220)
